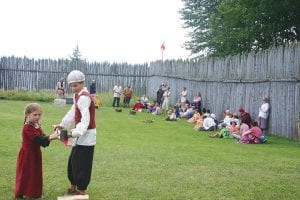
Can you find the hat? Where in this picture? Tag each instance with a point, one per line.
(75, 76)
(241, 110)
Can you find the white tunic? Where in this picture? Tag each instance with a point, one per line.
(81, 134)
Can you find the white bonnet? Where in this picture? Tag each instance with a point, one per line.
(75, 76)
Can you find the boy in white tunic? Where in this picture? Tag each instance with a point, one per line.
(82, 114)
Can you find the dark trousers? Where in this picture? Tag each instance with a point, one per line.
(80, 166)
(116, 100)
(126, 101)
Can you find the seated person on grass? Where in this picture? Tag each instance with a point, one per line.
(151, 107)
(138, 106)
(189, 112)
(171, 115)
(156, 109)
(245, 116)
(144, 101)
(208, 124)
(195, 117)
(224, 133)
(252, 136)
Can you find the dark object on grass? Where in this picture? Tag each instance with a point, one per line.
(148, 121)
(132, 112)
(118, 110)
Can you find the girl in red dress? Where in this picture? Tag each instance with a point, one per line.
(29, 177)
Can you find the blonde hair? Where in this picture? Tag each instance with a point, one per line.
(30, 108)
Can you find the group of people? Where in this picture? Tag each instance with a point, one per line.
(29, 178)
(240, 126)
(118, 92)
(233, 125)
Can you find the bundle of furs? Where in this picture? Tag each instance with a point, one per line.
(118, 109)
(63, 135)
(148, 121)
(132, 112)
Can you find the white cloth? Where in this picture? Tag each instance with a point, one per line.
(173, 116)
(264, 110)
(117, 91)
(183, 96)
(157, 111)
(144, 100)
(81, 134)
(197, 99)
(208, 122)
(165, 104)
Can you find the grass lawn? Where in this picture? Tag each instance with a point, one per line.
(159, 160)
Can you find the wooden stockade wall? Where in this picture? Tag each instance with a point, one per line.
(43, 74)
(225, 83)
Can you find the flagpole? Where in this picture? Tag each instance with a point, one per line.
(162, 48)
(162, 56)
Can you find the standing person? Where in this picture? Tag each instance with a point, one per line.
(117, 90)
(128, 92)
(159, 95)
(164, 86)
(263, 115)
(198, 102)
(93, 89)
(29, 174)
(82, 113)
(165, 104)
(183, 96)
(60, 88)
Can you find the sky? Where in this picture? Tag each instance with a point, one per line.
(129, 31)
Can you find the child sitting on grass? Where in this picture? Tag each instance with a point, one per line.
(138, 106)
(171, 115)
(224, 133)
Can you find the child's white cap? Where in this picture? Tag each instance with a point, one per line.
(75, 76)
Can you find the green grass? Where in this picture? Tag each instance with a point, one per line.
(159, 160)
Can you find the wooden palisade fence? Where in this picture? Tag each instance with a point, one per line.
(225, 83)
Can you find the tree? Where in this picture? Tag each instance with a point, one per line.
(235, 26)
(196, 14)
(76, 57)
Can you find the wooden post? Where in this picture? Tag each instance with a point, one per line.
(298, 131)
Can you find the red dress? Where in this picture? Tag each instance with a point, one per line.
(29, 179)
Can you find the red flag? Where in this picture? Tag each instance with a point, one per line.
(162, 47)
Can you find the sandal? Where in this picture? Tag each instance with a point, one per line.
(71, 191)
(79, 192)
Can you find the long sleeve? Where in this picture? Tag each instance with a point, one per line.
(69, 118)
(42, 140)
(264, 111)
(265, 107)
(83, 103)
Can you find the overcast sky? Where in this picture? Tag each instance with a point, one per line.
(105, 30)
